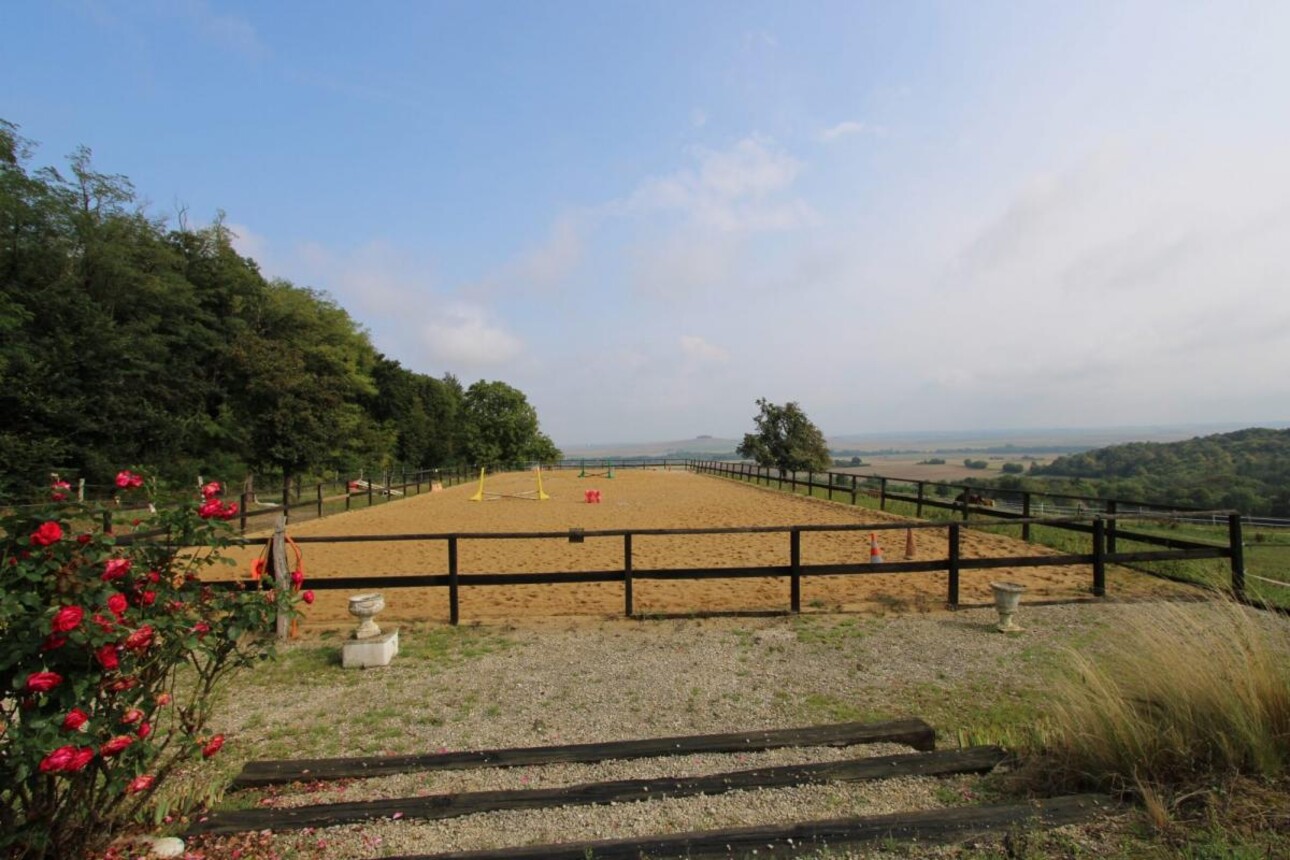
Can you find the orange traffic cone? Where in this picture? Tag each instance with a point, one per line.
(909, 543)
(875, 554)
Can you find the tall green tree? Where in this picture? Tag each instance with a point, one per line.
(500, 427)
(786, 440)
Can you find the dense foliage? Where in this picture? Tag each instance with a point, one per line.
(109, 656)
(785, 440)
(1248, 470)
(125, 341)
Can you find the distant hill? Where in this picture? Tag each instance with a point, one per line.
(1248, 470)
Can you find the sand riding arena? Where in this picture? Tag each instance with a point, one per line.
(650, 499)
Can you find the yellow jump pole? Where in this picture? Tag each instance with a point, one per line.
(479, 496)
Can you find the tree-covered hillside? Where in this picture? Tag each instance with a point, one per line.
(1248, 470)
(127, 342)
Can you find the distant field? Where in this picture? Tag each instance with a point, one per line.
(909, 465)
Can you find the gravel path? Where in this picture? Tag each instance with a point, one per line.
(585, 680)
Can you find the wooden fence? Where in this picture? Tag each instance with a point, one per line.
(1104, 528)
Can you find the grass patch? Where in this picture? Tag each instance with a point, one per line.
(1183, 696)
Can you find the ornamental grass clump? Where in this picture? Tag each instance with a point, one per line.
(1184, 696)
(109, 656)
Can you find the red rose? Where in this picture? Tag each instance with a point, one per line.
(120, 685)
(42, 682)
(140, 640)
(116, 745)
(107, 625)
(107, 657)
(154, 577)
(53, 641)
(307, 597)
(210, 508)
(144, 730)
(148, 598)
(163, 699)
(211, 490)
(201, 628)
(80, 758)
(49, 533)
(115, 569)
(229, 511)
(213, 746)
(60, 485)
(127, 480)
(117, 604)
(58, 497)
(84, 539)
(297, 577)
(57, 760)
(143, 782)
(67, 619)
(75, 719)
(131, 717)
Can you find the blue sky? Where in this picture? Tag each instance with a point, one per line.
(904, 216)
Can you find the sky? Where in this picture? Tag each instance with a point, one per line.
(647, 215)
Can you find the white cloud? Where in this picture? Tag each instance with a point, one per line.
(464, 336)
(551, 263)
(697, 349)
(842, 129)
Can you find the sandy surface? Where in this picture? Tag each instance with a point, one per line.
(639, 499)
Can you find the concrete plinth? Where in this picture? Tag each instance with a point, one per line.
(372, 651)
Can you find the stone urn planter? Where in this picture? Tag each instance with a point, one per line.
(364, 607)
(1007, 596)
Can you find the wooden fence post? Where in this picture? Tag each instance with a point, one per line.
(320, 500)
(281, 576)
(1236, 544)
(369, 491)
(853, 491)
(453, 613)
(1099, 557)
(795, 566)
(882, 494)
(1025, 512)
(627, 574)
(918, 512)
(107, 522)
(954, 566)
(966, 493)
(286, 495)
(241, 519)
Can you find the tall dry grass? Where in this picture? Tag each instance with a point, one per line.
(1181, 695)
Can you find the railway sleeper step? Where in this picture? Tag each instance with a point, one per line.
(945, 762)
(910, 731)
(936, 826)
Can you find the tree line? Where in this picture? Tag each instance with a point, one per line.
(127, 341)
(1247, 471)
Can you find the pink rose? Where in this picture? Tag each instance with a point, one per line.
(131, 717)
(120, 685)
(211, 490)
(115, 569)
(308, 597)
(42, 682)
(213, 746)
(143, 782)
(67, 619)
(49, 533)
(127, 480)
(116, 745)
(108, 658)
(81, 757)
(201, 628)
(163, 699)
(144, 730)
(75, 719)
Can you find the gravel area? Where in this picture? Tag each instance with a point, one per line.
(587, 680)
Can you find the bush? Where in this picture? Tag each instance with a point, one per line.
(1186, 695)
(1013, 469)
(976, 464)
(109, 655)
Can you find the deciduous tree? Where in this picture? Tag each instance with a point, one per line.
(785, 439)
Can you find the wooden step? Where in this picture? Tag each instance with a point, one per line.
(958, 824)
(972, 760)
(910, 731)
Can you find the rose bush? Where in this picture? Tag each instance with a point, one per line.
(110, 651)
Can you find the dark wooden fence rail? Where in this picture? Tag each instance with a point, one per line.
(1101, 520)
